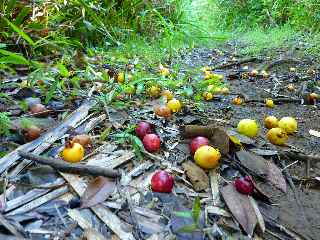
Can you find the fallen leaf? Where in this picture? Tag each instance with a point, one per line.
(240, 207)
(236, 137)
(275, 177)
(253, 162)
(220, 140)
(260, 219)
(197, 176)
(98, 190)
(314, 133)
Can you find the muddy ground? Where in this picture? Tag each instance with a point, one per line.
(300, 211)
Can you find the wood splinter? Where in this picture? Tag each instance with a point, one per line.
(74, 168)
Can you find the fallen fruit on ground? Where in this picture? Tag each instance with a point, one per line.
(269, 103)
(120, 77)
(130, 89)
(225, 91)
(82, 139)
(143, 128)
(207, 157)
(37, 108)
(162, 111)
(277, 136)
(162, 182)
(207, 96)
(154, 91)
(248, 127)
(312, 98)
(288, 124)
(167, 94)
(292, 69)
(237, 101)
(291, 87)
(198, 142)
(31, 133)
(253, 73)
(265, 74)
(151, 142)
(174, 105)
(271, 122)
(244, 185)
(73, 152)
(163, 70)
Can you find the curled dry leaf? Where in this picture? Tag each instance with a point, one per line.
(240, 207)
(98, 190)
(197, 176)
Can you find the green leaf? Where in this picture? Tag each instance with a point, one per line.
(188, 228)
(184, 214)
(196, 210)
(63, 70)
(20, 32)
(51, 91)
(12, 58)
(22, 14)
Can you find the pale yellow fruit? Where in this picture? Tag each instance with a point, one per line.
(271, 122)
(269, 103)
(277, 136)
(207, 157)
(288, 124)
(248, 127)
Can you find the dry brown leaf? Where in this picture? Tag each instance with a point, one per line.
(197, 176)
(98, 190)
(240, 207)
(275, 177)
(253, 162)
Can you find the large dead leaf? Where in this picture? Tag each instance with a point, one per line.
(98, 190)
(240, 207)
(253, 162)
(197, 176)
(275, 177)
(220, 139)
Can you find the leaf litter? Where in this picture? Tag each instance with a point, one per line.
(63, 201)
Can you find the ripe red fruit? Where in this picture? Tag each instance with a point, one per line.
(198, 142)
(143, 128)
(244, 185)
(151, 142)
(162, 182)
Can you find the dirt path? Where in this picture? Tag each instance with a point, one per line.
(303, 219)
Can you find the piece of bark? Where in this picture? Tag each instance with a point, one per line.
(4, 222)
(112, 161)
(92, 234)
(107, 216)
(39, 201)
(214, 184)
(44, 142)
(197, 176)
(75, 168)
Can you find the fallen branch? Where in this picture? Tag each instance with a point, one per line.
(74, 168)
(237, 63)
(275, 100)
(281, 61)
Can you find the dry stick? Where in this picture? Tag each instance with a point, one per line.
(276, 100)
(74, 168)
(281, 61)
(228, 65)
